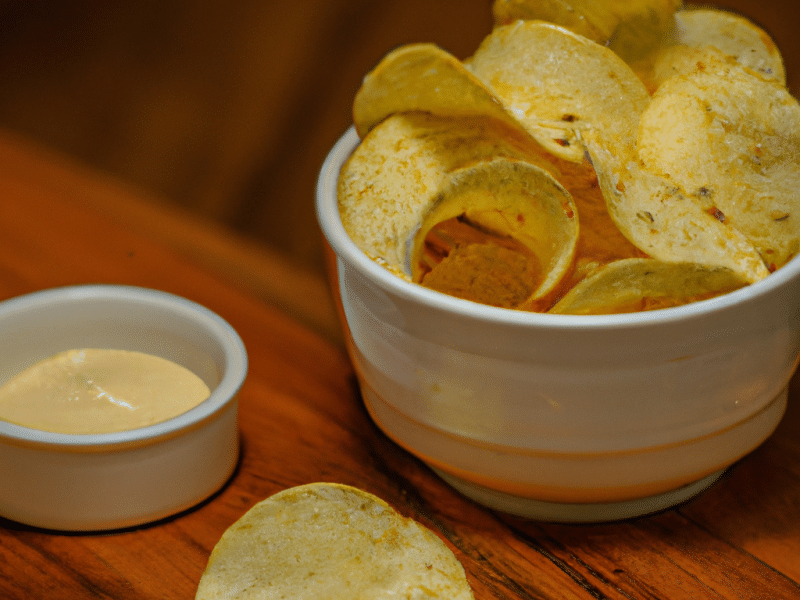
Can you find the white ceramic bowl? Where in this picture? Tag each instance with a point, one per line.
(564, 417)
(112, 480)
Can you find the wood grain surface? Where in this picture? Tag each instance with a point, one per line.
(302, 420)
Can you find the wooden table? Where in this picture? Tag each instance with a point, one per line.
(302, 421)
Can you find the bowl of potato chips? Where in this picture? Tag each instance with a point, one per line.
(566, 264)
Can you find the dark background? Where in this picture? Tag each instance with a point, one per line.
(228, 108)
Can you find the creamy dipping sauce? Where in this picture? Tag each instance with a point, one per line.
(99, 391)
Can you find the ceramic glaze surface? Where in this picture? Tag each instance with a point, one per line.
(565, 408)
(119, 479)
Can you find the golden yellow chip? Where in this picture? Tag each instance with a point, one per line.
(703, 35)
(600, 240)
(667, 222)
(422, 77)
(392, 179)
(325, 541)
(634, 285)
(733, 140)
(631, 28)
(552, 78)
(510, 199)
(589, 18)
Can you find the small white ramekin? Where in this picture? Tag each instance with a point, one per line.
(114, 480)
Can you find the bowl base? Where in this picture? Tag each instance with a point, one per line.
(576, 512)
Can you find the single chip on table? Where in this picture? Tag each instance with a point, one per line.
(511, 199)
(551, 77)
(325, 541)
(703, 35)
(634, 285)
(393, 177)
(733, 140)
(631, 28)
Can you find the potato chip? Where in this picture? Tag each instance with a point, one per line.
(464, 261)
(634, 285)
(703, 33)
(424, 77)
(550, 77)
(392, 179)
(643, 25)
(600, 239)
(667, 222)
(325, 541)
(516, 200)
(733, 140)
(600, 242)
(675, 60)
(589, 18)
(702, 173)
(631, 28)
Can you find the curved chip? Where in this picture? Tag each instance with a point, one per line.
(325, 541)
(667, 222)
(638, 284)
(517, 200)
(643, 25)
(733, 139)
(424, 77)
(631, 28)
(551, 77)
(393, 177)
(702, 32)
(589, 18)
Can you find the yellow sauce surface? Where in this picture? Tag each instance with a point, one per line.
(99, 391)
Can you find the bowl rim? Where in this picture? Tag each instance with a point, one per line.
(345, 249)
(235, 353)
